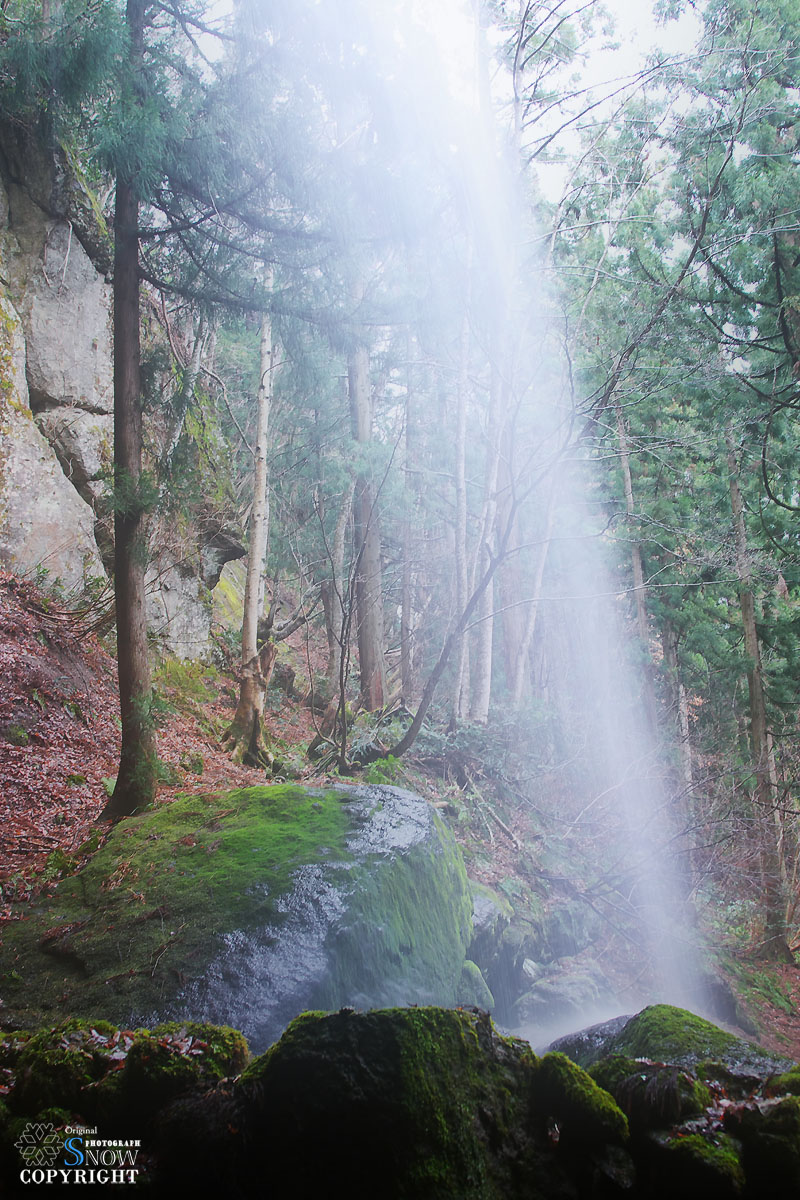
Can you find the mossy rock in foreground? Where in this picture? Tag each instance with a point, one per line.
(694, 1166)
(401, 1104)
(770, 1134)
(652, 1095)
(404, 1104)
(563, 1090)
(102, 1073)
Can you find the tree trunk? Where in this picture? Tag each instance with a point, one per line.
(452, 638)
(246, 733)
(522, 668)
(636, 549)
(408, 686)
(408, 674)
(460, 702)
(367, 544)
(775, 944)
(484, 633)
(637, 567)
(669, 643)
(335, 603)
(509, 577)
(136, 778)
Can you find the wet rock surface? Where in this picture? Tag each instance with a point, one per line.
(586, 1046)
(387, 923)
(246, 908)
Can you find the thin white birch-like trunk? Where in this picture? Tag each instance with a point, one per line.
(461, 683)
(246, 732)
(522, 668)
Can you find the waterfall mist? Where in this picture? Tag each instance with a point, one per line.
(617, 810)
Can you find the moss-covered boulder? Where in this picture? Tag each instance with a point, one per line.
(101, 1072)
(787, 1083)
(770, 1135)
(695, 1166)
(112, 1084)
(405, 1104)
(402, 1104)
(247, 907)
(564, 1091)
(652, 1095)
(666, 1034)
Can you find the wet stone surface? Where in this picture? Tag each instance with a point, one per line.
(386, 923)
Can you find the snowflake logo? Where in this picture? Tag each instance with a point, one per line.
(38, 1144)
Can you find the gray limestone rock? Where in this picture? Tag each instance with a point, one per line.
(84, 445)
(45, 526)
(57, 431)
(65, 310)
(178, 609)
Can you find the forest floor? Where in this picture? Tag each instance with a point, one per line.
(59, 746)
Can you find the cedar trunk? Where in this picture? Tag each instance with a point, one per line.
(136, 778)
(775, 943)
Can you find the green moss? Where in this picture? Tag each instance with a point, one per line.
(563, 1090)
(652, 1095)
(757, 983)
(673, 1035)
(184, 679)
(411, 920)
(789, 1083)
(712, 1071)
(157, 1070)
(443, 1105)
(154, 898)
(670, 1034)
(225, 1050)
(437, 1046)
(228, 597)
(55, 1067)
(152, 908)
(432, 1093)
(58, 863)
(705, 1164)
(94, 1070)
(612, 1071)
(84, 197)
(473, 988)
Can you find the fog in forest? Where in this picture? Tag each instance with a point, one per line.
(439, 435)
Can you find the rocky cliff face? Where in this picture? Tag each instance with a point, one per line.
(56, 401)
(56, 398)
